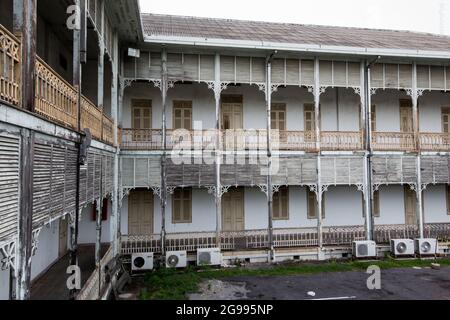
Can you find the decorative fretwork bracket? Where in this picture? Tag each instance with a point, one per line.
(414, 187)
(414, 94)
(357, 90)
(265, 190)
(35, 241)
(223, 190)
(373, 91)
(8, 253)
(125, 83)
(217, 87)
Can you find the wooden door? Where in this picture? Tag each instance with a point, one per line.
(232, 116)
(410, 206)
(63, 238)
(310, 122)
(232, 124)
(233, 218)
(142, 120)
(278, 117)
(182, 115)
(140, 213)
(406, 117)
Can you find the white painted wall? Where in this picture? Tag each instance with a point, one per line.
(4, 284)
(340, 111)
(392, 205)
(254, 105)
(87, 226)
(47, 251)
(435, 205)
(343, 207)
(430, 105)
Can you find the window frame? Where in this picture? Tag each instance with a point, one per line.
(279, 198)
(181, 220)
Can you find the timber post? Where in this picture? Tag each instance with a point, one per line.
(25, 29)
(269, 156)
(217, 151)
(163, 195)
(319, 191)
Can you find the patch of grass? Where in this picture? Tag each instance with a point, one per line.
(171, 284)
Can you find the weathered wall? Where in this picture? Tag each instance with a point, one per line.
(345, 116)
(392, 205)
(4, 288)
(87, 227)
(435, 205)
(47, 251)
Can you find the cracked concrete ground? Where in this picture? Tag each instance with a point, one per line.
(396, 284)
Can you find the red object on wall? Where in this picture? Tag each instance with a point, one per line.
(104, 210)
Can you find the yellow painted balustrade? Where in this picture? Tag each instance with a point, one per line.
(56, 99)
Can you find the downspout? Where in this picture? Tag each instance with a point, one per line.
(370, 222)
(269, 154)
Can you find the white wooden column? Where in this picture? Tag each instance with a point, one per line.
(269, 90)
(100, 105)
(163, 191)
(319, 193)
(415, 94)
(217, 151)
(25, 29)
(116, 209)
(365, 93)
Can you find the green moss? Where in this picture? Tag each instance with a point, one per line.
(171, 284)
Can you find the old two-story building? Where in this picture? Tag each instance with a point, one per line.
(269, 141)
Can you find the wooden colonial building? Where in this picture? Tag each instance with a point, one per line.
(269, 141)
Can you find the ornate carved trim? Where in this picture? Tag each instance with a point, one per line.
(35, 241)
(8, 253)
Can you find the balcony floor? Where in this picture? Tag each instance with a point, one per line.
(52, 284)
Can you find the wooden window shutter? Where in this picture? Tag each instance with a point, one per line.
(373, 118)
(278, 116)
(104, 210)
(281, 204)
(447, 191)
(376, 204)
(445, 120)
(182, 115)
(182, 206)
(312, 204)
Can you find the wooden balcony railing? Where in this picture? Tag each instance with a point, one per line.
(151, 139)
(107, 129)
(393, 141)
(9, 67)
(56, 99)
(341, 141)
(435, 142)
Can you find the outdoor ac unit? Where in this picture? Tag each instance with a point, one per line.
(209, 257)
(426, 246)
(364, 249)
(176, 259)
(402, 247)
(142, 261)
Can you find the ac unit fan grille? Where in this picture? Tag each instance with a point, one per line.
(139, 262)
(204, 258)
(173, 261)
(363, 250)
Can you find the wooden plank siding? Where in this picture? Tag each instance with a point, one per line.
(9, 184)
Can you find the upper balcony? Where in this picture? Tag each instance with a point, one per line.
(56, 99)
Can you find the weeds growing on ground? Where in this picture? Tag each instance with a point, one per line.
(172, 284)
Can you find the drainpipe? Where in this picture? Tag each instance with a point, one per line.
(269, 154)
(369, 205)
